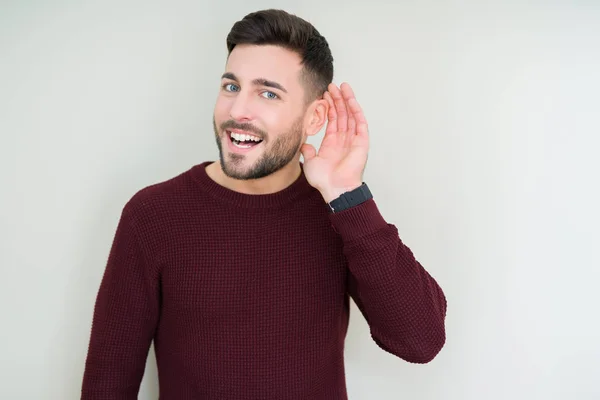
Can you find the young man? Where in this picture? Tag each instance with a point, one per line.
(241, 270)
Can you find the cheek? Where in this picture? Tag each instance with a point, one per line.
(222, 107)
(275, 119)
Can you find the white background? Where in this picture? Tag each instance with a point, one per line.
(484, 118)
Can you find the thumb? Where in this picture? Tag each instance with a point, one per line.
(308, 151)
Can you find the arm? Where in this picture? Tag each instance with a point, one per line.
(403, 305)
(124, 321)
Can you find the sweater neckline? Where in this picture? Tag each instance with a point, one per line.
(299, 188)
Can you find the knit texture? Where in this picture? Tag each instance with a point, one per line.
(247, 296)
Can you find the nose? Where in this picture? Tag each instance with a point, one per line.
(240, 108)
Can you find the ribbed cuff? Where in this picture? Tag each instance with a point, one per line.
(358, 221)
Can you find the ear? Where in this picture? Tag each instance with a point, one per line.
(316, 116)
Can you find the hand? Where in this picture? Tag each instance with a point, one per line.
(339, 165)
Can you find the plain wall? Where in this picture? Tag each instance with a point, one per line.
(484, 119)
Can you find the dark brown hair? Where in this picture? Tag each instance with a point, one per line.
(278, 27)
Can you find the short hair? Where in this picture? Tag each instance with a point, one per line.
(278, 27)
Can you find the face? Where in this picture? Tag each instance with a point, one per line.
(260, 114)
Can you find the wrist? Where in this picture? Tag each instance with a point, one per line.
(331, 194)
(350, 198)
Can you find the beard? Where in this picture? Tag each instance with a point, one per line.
(275, 156)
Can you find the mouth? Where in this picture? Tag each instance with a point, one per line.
(242, 142)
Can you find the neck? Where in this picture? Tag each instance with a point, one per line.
(273, 183)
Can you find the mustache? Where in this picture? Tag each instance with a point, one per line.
(228, 125)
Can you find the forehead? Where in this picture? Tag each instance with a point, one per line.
(270, 62)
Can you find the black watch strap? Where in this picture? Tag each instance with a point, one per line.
(351, 198)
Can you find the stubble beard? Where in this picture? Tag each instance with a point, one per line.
(275, 156)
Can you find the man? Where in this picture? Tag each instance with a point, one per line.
(241, 270)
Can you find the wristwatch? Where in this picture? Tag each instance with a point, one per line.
(351, 198)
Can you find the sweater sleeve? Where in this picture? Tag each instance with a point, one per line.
(124, 320)
(403, 305)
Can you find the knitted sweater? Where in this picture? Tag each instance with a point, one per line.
(247, 296)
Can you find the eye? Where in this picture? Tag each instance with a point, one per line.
(230, 87)
(269, 95)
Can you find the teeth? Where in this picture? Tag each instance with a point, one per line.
(244, 138)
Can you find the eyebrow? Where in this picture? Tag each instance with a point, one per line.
(257, 82)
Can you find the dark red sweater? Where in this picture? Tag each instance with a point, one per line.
(246, 296)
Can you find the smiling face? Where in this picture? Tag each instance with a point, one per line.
(259, 116)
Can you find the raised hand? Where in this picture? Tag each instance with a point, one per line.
(339, 164)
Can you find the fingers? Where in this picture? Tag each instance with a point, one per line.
(345, 113)
(351, 125)
(355, 110)
(331, 114)
(308, 151)
(340, 107)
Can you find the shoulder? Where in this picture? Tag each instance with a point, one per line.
(160, 199)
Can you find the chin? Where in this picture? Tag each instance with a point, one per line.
(236, 166)
(236, 172)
